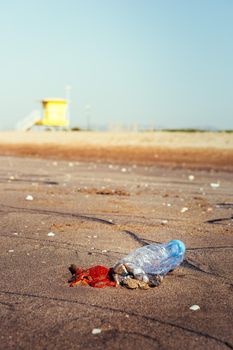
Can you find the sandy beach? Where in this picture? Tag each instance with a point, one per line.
(101, 196)
(194, 150)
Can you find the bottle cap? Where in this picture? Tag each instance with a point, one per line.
(180, 244)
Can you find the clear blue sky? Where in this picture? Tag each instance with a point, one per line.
(153, 62)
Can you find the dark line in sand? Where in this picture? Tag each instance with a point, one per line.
(146, 336)
(50, 212)
(188, 264)
(114, 331)
(210, 248)
(135, 237)
(9, 305)
(148, 318)
(131, 234)
(62, 245)
(225, 205)
(218, 221)
(45, 182)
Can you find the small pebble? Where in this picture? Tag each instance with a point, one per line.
(96, 331)
(194, 307)
(123, 170)
(191, 177)
(29, 198)
(51, 234)
(214, 184)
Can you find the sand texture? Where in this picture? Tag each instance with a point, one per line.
(100, 202)
(193, 150)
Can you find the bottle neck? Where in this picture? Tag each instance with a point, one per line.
(176, 247)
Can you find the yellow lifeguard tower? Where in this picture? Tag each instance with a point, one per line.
(55, 113)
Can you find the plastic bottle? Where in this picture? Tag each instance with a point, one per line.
(152, 259)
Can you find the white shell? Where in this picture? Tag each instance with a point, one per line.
(214, 184)
(51, 234)
(29, 198)
(194, 307)
(96, 331)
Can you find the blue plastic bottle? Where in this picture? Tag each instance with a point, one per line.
(155, 259)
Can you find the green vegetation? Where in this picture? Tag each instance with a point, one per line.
(184, 130)
(76, 128)
(196, 130)
(230, 131)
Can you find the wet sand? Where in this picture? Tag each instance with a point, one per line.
(99, 211)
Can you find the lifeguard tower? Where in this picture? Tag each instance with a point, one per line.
(55, 113)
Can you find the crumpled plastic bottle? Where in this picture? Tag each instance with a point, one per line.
(152, 259)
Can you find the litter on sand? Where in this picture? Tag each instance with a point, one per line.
(97, 276)
(96, 331)
(143, 268)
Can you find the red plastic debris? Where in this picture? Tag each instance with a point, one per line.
(97, 276)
